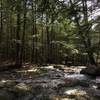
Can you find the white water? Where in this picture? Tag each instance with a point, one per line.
(77, 76)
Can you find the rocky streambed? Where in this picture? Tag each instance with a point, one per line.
(48, 83)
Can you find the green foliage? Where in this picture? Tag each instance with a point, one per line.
(51, 26)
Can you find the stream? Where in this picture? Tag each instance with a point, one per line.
(51, 84)
(77, 76)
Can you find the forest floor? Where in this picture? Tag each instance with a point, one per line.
(51, 82)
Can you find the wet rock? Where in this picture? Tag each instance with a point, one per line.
(52, 74)
(20, 90)
(62, 98)
(37, 90)
(60, 67)
(7, 83)
(5, 95)
(10, 84)
(76, 93)
(43, 93)
(85, 97)
(83, 83)
(21, 87)
(27, 96)
(74, 82)
(41, 97)
(93, 92)
(90, 70)
(1, 84)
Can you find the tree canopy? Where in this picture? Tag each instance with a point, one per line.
(50, 31)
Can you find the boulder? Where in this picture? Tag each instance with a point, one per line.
(91, 70)
(5, 95)
(60, 67)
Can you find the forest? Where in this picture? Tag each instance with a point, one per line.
(49, 49)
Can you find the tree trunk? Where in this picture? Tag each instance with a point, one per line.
(1, 28)
(33, 56)
(48, 40)
(18, 36)
(24, 32)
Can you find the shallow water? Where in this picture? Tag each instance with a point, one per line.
(77, 76)
(54, 84)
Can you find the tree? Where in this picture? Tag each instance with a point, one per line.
(84, 31)
(18, 9)
(24, 31)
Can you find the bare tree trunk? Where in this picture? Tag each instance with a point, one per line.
(1, 28)
(33, 56)
(42, 38)
(24, 33)
(48, 39)
(18, 36)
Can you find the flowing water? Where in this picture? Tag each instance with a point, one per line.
(77, 76)
(54, 84)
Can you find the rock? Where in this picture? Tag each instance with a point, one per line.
(21, 91)
(21, 87)
(8, 66)
(27, 96)
(90, 70)
(5, 95)
(1, 84)
(93, 92)
(7, 83)
(43, 93)
(85, 97)
(60, 67)
(83, 83)
(10, 83)
(71, 83)
(62, 98)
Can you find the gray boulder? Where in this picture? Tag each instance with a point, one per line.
(6, 95)
(91, 70)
